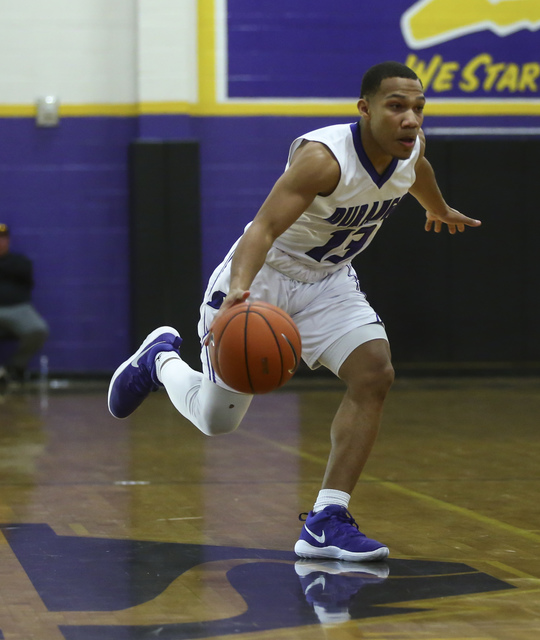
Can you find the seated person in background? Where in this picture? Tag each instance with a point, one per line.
(18, 318)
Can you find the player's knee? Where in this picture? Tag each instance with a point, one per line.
(219, 410)
(368, 370)
(219, 427)
(374, 380)
(385, 377)
(223, 418)
(380, 378)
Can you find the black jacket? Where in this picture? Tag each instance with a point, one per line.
(16, 279)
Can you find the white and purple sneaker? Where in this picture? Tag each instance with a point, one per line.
(136, 377)
(333, 533)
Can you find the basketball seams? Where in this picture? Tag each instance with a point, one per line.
(277, 343)
(218, 339)
(254, 366)
(246, 355)
(282, 314)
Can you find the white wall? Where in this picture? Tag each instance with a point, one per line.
(167, 50)
(98, 51)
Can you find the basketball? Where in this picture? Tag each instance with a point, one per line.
(255, 347)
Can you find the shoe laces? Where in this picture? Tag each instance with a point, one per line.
(343, 515)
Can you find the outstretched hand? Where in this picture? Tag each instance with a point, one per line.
(455, 221)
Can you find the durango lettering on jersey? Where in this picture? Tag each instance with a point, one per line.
(360, 215)
(358, 226)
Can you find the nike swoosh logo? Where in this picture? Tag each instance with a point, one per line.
(319, 539)
(295, 357)
(135, 363)
(320, 581)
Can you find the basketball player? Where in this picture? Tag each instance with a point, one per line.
(341, 182)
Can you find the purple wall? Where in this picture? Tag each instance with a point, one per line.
(65, 193)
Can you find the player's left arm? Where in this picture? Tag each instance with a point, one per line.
(426, 190)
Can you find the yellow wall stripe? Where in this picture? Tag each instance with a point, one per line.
(313, 108)
(73, 110)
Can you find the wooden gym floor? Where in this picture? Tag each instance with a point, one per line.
(144, 528)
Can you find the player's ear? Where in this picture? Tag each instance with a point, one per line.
(363, 108)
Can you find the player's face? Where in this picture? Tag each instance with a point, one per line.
(394, 115)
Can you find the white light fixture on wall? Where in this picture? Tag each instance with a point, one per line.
(48, 111)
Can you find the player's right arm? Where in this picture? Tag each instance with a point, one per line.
(313, 170)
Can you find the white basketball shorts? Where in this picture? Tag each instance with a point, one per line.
(332, 315)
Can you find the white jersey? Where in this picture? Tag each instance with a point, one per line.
(335, 228)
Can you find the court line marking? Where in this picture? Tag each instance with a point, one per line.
(511, 570)
(79, 529)
(456, 509)
(411, 493)
(184, 518)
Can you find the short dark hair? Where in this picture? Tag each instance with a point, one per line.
(375, 75)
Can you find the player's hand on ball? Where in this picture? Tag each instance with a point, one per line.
(233, 297)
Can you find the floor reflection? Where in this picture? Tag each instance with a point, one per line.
(330, 586)
(128, 583)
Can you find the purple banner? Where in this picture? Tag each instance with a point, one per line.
(477, 51)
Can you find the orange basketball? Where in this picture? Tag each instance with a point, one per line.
(255, 347)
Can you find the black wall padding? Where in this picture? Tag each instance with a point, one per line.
(166, 260)
(473, 297)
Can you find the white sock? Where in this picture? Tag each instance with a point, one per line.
(212, 409)
(161, 358)
(327, 497)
